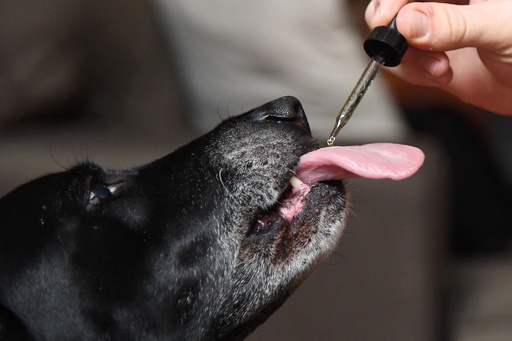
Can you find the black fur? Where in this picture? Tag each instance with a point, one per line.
(188, 247)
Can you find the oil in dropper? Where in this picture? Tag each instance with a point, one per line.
(354, 98)
(386, 46)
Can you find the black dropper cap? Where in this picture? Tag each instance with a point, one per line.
(385, 44)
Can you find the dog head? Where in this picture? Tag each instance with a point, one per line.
(204, 243)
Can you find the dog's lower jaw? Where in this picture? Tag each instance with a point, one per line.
(299, 228)
(272, 263)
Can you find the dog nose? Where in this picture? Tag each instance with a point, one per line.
(286, 108)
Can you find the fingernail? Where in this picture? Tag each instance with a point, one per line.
(430, 64)
(419, 24)
(436, 69)
(376, 9)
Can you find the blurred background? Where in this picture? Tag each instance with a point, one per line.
(123, 83)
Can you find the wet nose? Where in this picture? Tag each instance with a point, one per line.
(286, 108)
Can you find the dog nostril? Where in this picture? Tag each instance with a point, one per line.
(286, 108)
(296, 106)
(298, 113)
(295, 111)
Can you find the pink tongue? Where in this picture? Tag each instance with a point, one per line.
(372, 161)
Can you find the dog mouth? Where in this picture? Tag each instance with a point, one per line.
(316, 183)
(290, 204)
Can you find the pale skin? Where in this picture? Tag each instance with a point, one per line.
(464, 48)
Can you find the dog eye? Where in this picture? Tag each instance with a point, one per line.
(99, 192)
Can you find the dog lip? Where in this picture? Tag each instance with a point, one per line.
(284, 213)
(284, 210)
(293, 203)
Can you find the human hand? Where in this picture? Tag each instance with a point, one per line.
(463, 49)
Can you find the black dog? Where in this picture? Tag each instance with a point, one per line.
(203, 244)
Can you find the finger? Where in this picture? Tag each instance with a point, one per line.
(425, 68)
(442, 27)
(381, 12)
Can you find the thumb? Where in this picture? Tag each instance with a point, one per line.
(443, 27)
